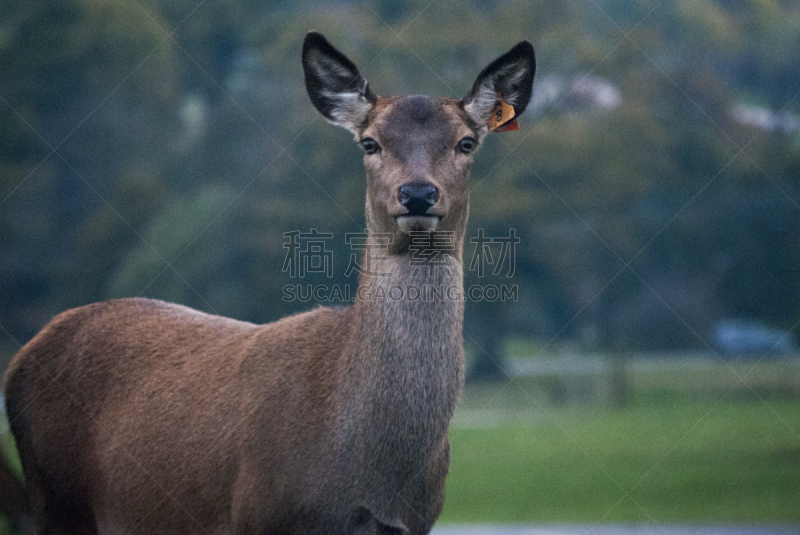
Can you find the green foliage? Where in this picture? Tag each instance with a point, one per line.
(165, 147)
(8, 449)
(166, 239)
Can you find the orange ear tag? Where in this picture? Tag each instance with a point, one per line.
(500, 120)
(507, 127)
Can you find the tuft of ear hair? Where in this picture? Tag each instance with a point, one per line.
(335, 86)
(510, 76)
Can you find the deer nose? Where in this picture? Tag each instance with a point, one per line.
(417, 197)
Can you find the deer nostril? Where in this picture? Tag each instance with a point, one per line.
(418, 197)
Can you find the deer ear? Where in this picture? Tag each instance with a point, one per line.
(511, 76)
(334, 84)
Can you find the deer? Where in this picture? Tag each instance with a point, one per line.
(136, 416)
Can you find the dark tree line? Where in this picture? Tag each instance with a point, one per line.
(165, 149)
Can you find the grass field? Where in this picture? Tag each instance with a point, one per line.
(716, 444)
(711, 446)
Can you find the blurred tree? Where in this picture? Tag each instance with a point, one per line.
(165, 148)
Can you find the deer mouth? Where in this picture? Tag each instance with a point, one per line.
(418, 223)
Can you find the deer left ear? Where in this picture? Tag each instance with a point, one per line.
(510, 76)
(334, 84)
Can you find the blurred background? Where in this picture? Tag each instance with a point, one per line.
(641, 365)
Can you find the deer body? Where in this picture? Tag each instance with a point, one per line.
(138, 416)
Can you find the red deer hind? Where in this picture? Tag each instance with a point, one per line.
(137, 416)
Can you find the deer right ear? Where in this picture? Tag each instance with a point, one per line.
(510, 76)
(334, 84)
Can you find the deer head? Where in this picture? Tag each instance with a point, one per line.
(418, 150)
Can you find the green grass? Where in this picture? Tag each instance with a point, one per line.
(670, 457)
(711, 445)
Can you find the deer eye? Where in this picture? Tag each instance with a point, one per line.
(466, 145)
(369, 145)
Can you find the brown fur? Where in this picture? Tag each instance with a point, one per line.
(137, 416)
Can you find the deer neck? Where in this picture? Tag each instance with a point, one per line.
(410, 313)
(407, 354)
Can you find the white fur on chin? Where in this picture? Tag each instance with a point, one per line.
(419, 223)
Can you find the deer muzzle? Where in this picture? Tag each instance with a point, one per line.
(418, 198)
